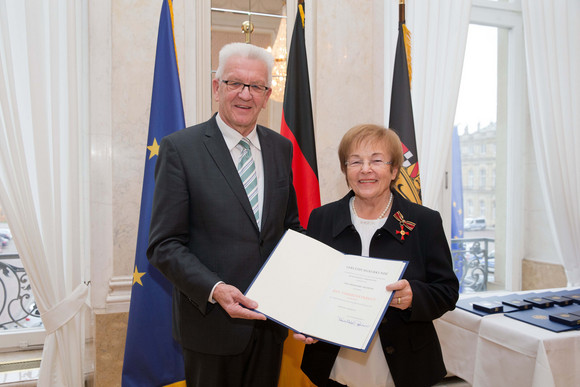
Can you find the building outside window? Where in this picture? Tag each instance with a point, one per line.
(489, 118)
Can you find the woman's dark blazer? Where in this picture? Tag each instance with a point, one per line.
(408, 337)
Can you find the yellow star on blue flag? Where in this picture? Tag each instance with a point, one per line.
(153, 149)
(457, 211)
(155, 359)
(137, 276)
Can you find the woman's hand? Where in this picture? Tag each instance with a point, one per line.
(402, 296)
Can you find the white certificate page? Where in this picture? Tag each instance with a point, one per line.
(320, 292)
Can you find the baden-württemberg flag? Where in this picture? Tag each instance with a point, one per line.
(152, 357)
(401, 120)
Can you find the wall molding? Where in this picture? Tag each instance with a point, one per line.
(119, 295)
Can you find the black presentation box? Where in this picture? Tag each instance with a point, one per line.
(540, 302)
(560, 300)
(518, 304)
(573, 297)
(566, 318)
(488, 306)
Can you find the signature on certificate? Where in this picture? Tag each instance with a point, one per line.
(353, 322)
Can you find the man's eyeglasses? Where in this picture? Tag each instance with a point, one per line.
(358, 164)
(238, 87)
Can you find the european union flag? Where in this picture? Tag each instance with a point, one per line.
(456, 205)
(152, 357)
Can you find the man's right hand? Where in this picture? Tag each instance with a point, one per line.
(303, 338)
(235, 303)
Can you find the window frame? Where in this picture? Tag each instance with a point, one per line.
(508, 15)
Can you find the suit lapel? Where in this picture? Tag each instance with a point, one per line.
(219, 152)
(268, 160)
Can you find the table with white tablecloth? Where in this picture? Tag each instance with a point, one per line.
(496, 350)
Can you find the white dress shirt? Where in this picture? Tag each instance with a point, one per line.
(232, 138)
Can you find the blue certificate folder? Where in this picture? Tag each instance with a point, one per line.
(541, 317)
(535, 316)
(468, 304)
(320, 292)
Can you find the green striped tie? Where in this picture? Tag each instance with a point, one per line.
(247, 171)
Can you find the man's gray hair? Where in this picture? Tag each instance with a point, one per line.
(244, 50)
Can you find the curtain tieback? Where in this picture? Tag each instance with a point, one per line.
(65, 310)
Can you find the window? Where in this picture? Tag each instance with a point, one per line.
(470, 179)
(490, 117)
(20, 323)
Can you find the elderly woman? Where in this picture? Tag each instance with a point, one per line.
(374, 220)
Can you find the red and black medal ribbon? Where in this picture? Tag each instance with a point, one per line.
(404, 224)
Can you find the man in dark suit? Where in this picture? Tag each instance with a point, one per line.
(213, 227)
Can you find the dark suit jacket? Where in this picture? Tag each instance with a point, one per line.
(203, 229)
(408, 337)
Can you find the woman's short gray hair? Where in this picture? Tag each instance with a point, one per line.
(244, 50)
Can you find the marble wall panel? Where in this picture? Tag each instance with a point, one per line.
(134, 35)
(347, 75)
(541, 275)
(110, 333)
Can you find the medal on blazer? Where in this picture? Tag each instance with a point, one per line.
(404, 224)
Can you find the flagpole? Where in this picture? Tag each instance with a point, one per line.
(401, 116)
(401, 11)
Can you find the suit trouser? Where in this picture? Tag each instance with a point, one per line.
(258, 366)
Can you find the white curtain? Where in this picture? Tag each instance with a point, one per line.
(438, 39)
(41, 89)
(552, 43)
(439, 30)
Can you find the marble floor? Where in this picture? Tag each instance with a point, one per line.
(28, 374)
(453, 381)
(28, 378)
(19, 368)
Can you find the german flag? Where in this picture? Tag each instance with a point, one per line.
(401, 116)
(298, 126)
(297, 122)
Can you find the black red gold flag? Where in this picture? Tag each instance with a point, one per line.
(401, 121)
(298, 126)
